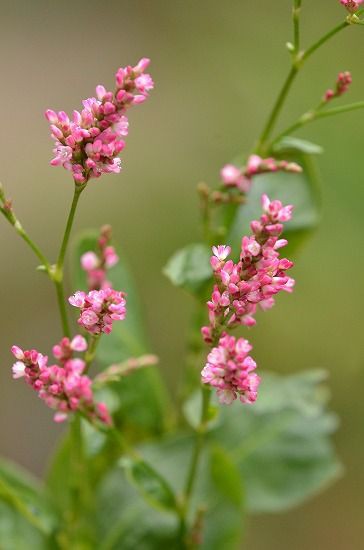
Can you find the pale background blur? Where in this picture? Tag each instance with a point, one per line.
(216, 65)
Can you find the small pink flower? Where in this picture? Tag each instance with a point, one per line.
(78, 299)
(97, 263)
(352, 5)
(89, 261)
(18, 370)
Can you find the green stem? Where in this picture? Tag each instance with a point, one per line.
(61, 300)
(296, 12)
(316, 45)
(192, 471)
(338, 110)
(12, 219)
(91, 351)
(311, 116)
(57, 276)
(67, 232)
(276, 109)
(81, 498)
(297, 64)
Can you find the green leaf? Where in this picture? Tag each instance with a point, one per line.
(301, 190)
(125, 520)
(189, 268)
(142, 396)
(226, 476)
(150, 483)
(26, 496)
(16, 533)
(213, 492)
(290, 144)
(282, 442)
(192, 409)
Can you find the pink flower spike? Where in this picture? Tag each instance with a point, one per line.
(101, 120)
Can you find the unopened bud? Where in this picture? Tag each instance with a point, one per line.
(203, 190)
(8, 205)
(217, 197)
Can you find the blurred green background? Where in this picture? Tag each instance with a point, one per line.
(216, 66)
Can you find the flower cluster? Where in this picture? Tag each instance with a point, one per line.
(62, 387)
(88, 144)
(351, 5)
(241, 178)
(99, 309)
(256, 278)
(342, 85)
(240, 287)
(229, 369)
(97, 263)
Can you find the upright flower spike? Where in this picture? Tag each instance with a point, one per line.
(254, 280)
(241, 178)
(88, 143)
(63, 387)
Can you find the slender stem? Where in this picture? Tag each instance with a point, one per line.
(57, 276)
(277, 108)
(316, 45)
(311, 116)
(81, 498)
(195, 459)
(297, 64)
(61, 300)
(91, 352)
(12, 219)
(296, 12)
(67, 232)
(338, 110)
(201, 430)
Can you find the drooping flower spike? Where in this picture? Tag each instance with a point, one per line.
(88, 144)
(63, 387)
(241, 178)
